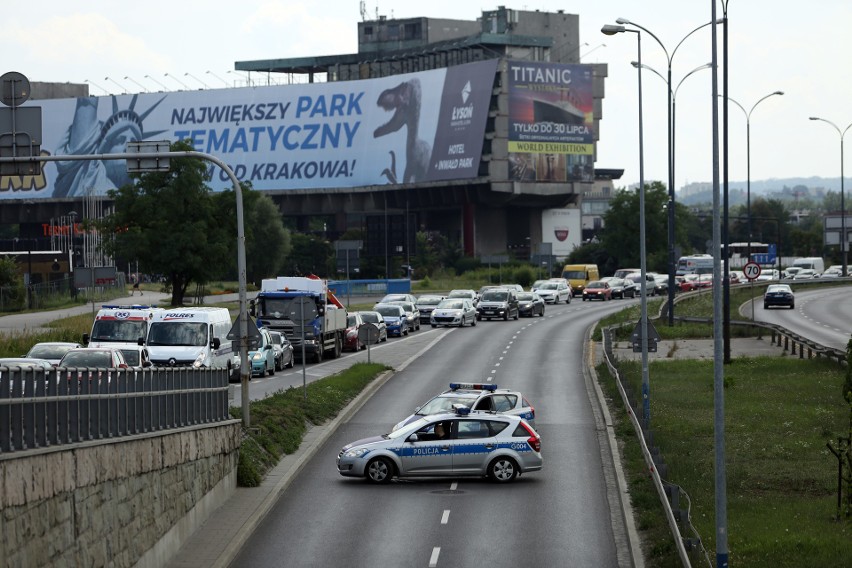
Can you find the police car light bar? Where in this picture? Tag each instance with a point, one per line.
(461, 409)
(473, 386)
(130, 307)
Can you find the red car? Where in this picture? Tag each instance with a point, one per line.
(350, 339)
(597, 290)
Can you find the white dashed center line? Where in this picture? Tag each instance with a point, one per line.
(445, 517)
(433, 561)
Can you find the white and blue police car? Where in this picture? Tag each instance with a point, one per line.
(486, 397)
(450, 444)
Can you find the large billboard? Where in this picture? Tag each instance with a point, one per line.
(412, 128)
(561, 228)
(551, 122)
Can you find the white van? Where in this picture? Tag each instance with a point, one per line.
(815, 263)
(191, 337)
(121, 327)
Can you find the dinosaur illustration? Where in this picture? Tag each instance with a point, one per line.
(404, 100)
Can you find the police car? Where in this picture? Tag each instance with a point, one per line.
(476, 396)
(461, 443)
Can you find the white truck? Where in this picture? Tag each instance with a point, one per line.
(275, 309)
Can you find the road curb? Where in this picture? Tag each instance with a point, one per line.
(605, 425)
(314, 439)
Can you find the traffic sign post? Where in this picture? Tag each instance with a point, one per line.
(752, 271)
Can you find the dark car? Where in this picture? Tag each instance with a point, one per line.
(498, 303)
(530, 304)
(779, 295)
(426, 304)
(621, 288)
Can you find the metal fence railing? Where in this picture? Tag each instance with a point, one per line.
(41, 408)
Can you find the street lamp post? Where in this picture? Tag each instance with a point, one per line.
(671, 204)
(610, 29)
(748, 163)
(843, 246)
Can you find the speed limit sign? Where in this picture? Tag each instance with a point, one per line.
(751, 270)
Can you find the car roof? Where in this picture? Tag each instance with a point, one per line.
(24, 361)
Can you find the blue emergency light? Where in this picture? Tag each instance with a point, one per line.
(473, 386)
(461, 409)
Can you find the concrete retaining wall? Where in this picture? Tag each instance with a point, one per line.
(114, 502)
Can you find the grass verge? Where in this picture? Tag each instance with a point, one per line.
(781, 479)
(279, 422)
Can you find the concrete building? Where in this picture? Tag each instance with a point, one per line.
(521, 172)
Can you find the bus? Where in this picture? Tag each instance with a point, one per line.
(738, 253)
(695, 264)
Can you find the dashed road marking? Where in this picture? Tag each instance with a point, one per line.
(433, 561)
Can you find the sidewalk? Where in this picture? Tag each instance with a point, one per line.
(36, 321)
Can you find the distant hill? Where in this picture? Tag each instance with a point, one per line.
(784, 189)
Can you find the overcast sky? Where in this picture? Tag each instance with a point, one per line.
(774, 45)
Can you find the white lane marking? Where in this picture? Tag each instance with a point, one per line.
(500, 359)
(496, 364)
(433, 561)
(487, 379)
(454, 485)
(445, 517)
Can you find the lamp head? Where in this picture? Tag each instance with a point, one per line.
(610, 29)
(635, 64)
(814, 118)
(778, 93)
(623, 21)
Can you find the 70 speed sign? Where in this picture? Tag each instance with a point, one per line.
(751, 270)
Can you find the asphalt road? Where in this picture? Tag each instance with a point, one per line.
(822, 315)
(566, 515)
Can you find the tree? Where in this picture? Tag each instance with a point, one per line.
(11, 284)
(268, 243)
(621, 228)
(309, 255)
(171, 224)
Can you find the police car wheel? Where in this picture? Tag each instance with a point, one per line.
(503, 470)
(379, 470)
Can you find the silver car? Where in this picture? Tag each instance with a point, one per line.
(453, 311)
(498, 446)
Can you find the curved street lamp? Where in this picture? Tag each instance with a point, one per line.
(137, 83)
(748, 163)
(160, 84)
(671, 208)
(842, 204)
(182, 84)
(610, 29)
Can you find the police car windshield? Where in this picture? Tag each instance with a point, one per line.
(444, 404)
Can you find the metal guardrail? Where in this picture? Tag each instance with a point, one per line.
(41, 408)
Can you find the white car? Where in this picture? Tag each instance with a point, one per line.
(51, 350)
(805, 274)
(553, 292)
(768, 274)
